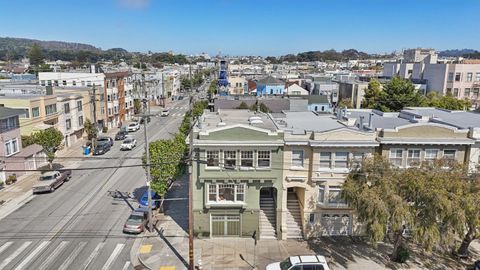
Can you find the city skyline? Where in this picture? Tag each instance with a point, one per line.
(266, 28)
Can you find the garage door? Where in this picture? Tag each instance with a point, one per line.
(225, 225)
(336, 225)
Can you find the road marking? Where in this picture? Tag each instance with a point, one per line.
(32, 254)
(53, 255)
(114, 255)
(72, 256)
(167, 268)
(126, 265)
(15, 254)
(94, 254)
(5, 246)
(145, 249)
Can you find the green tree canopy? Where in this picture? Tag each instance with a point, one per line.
(399, 93)
(243, 106)
(427, 199)
(372, 94)
(90, 129)
(346, 102)
(35, 54)
(448, 102)
(50, 139)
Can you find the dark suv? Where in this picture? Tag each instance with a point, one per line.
(105, 140)
(102, 148)
(120, 136)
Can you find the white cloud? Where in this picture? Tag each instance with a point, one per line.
(134, 4)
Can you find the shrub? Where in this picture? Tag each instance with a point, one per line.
(105, 129)
(403, 254)
(12, 178)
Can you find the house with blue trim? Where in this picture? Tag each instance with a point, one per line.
(270, 86)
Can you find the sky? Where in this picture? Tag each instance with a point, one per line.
(247, 27)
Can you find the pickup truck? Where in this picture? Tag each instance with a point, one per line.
(50, 180)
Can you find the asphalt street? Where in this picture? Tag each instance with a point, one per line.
(79, 226)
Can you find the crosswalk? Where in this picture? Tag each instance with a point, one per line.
(64, 254)
(178, 114)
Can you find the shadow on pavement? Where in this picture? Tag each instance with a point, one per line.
(178, 209)
(174, 250)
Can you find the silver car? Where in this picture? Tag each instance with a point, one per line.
(135, 222)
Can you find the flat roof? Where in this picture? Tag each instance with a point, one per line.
(299, 122)
(211, 120)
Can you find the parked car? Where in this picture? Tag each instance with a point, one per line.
(121, 135)
(101, 148)
(51, 180)
(155, 199)
(132, 127)
(128, 144)
(136, 222)
(104, 139)
(314, 262)
(143, 120)
(165, 112)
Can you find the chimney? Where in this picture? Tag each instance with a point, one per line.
(361, 122)
(370, 120)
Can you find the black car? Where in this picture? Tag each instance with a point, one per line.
(121, 135)
(105, 140)
(102, 148)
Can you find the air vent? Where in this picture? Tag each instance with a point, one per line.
(256, 122)
(254, 118)
(221, 124)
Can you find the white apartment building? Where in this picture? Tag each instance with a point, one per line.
(71, 117)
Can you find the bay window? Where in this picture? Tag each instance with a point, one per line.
(246, 159)
(226, 193)
(413, 157)
(396, 157)
(341, 159)
(230, 159)
(212, 159)
(263, 159)
(325, 159)
(297, 158)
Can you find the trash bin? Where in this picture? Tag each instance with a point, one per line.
(86, 150)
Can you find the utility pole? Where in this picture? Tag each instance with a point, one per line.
(147, 155)
(190, 191)
(94, 100)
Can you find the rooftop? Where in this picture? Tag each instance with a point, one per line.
(299, 122)
(213, 120)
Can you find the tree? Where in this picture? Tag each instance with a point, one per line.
(447, 102)
(397, 94)
(243, 106)
(264, 108)
(346, 102)
(137, 106)
(90, 129)
(372, 94)
(427, 198)
(35, 55)
(50, 139)
(471, 208)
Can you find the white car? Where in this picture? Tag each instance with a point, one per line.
(165, 112)
(133, 127)
(315, 262)
(128, 144)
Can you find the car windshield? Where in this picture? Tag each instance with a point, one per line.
(135, 219)
(132, 125)
(47, 177)
(127, 141)
(285, 264)
(102, 139)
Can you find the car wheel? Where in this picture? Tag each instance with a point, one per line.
(51, 189)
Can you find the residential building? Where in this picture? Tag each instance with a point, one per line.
(71, 117)
(270, 86)
(40, 111)
(353, 90)
(237, 175)
(118, 98)
(237, 85)
(319, 152)
(460, 78)
(87, 101)
(293, 89)
(13, 155)
(319, 104)
(72, 79)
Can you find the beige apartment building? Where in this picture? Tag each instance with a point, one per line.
(40, 111)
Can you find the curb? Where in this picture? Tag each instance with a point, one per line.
(14, 204)
(139, 258)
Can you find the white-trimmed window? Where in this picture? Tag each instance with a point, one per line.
(413, 157)
(50, 109)
(79, 106)
(335, 195)
(212, 158)
(341, 159)
(230, 158)
(396, 157)
(357, 159)
(321, 194)
(297, 158)
(246, 159)
(68, 124)
(11, 147)
(325, 159)
(431, 155)
(36, 112)
(263, 159)
(229, 193)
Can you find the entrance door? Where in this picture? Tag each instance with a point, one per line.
(225, 225)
